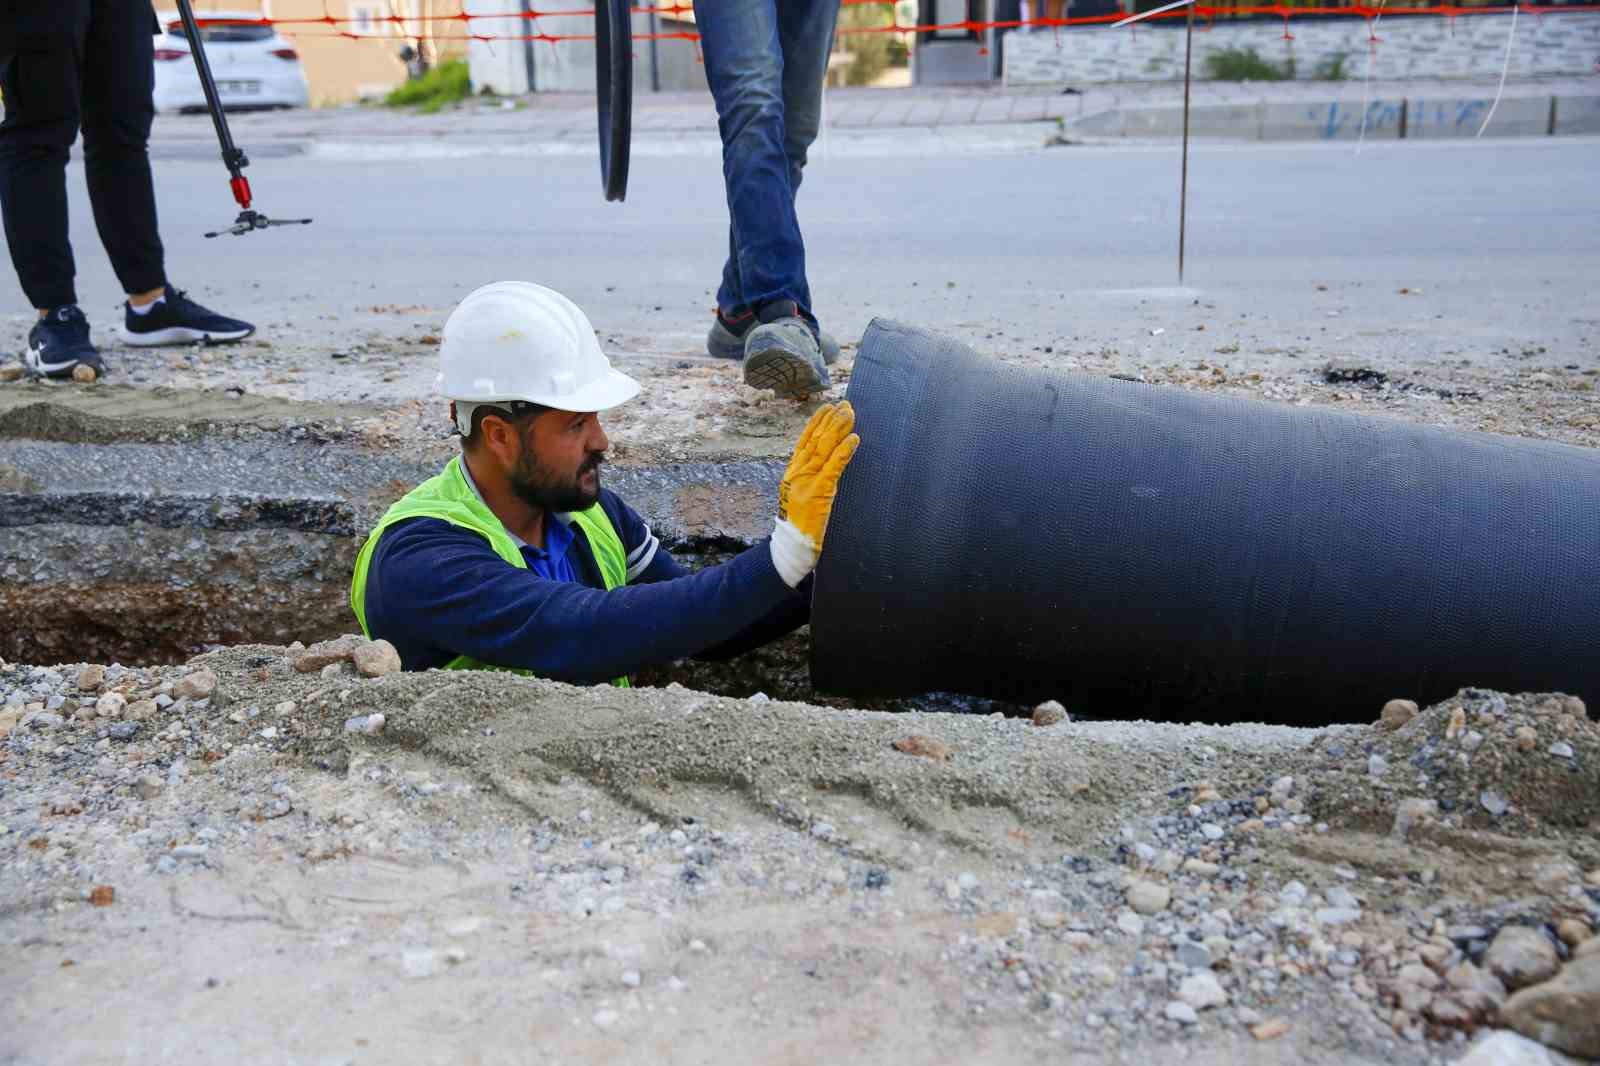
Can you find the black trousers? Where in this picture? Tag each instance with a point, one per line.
(67, 65)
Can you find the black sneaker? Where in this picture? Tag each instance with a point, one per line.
(176, 319)
(59, 343)
(726, 339)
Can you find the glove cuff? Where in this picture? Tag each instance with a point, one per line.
(793, 553)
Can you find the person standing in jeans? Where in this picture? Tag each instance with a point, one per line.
(66, 65)
(765, 61)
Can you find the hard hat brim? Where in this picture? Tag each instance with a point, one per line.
(610, 389)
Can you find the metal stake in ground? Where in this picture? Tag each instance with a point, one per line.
(1183, 180)
(233, 157)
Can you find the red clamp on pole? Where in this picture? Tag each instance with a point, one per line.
(241, 190)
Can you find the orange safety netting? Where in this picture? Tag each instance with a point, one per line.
(409, 25)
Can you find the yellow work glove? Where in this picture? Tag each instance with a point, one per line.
(805, 496)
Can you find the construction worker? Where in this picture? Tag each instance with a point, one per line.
(516, 558)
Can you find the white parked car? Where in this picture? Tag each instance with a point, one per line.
(254, 67)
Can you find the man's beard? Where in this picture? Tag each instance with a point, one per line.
(538, 486)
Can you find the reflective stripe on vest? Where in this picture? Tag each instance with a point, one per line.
(448, 497)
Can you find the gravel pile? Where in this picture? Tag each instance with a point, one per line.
(1077, 885)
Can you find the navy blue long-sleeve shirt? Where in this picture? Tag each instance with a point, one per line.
(436, 591)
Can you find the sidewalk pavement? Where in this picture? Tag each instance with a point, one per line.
(565, 122)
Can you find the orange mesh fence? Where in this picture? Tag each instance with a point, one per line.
(460, 25)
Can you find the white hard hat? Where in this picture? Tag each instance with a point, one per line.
(514, 340)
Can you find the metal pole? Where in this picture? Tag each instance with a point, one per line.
(232, 157)
(1183, 182)
(655, 57)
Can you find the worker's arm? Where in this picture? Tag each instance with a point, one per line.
(437, 591)
(640, 544)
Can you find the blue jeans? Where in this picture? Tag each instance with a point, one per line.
(765, 61)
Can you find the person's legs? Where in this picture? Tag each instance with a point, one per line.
(806, 32)
(744, 66)
(117, 112)
(41, 61)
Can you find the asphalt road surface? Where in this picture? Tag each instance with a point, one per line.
(1494, 242)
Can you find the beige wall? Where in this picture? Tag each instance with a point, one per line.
(339, 69)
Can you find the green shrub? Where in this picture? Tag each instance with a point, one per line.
(1332, 67)
(1242, 64)
(444, 84)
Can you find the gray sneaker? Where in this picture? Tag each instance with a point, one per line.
(726, 339)
(782, 354)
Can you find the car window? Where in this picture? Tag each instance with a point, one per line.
(226, 32)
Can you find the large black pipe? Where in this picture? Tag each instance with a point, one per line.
(1141, 551)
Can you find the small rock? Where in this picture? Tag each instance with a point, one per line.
(189, 851)
(1194, 956)
(1562, 750)
(365, 723)
(1202, 991)
(139, 710)
(1130, 923)
(46, 721)
(1450, 1013)
(631, 978)
(1293, 894)
(1573, 931)
(1472, 741)
(1410, 813)
(12, 372)
(1415, 973)
(1493, 802)
(822, 830)
(1520, 957)
(418, 963)
(124, 731)
(1181, 1013)
(1458, 722)
(1337, 915)
(1339, 896)
(284, 709)
(326, 653)
(1502, 1048)
(605, 1019)
(1049, 713)
(377, 659)
(91, 677)
(196, 686)
(1281, 788)
(84, 374)
(1527, 738)
(1377, 765)
(148, 787)
(1147, 897)
(927, 747)
(1397, 713)
(1273, 1028)
(1211, 831)
(103, 896)
(110, 705)
(1564, 1012)
(1201, 868)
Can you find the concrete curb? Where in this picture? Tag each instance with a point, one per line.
(1386, 118)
